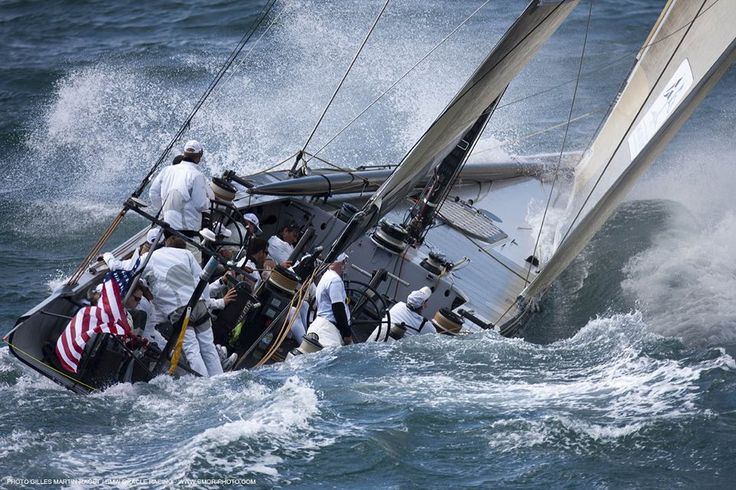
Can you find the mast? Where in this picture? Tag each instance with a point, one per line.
(523, 39)
(423, 212)
(690, 48)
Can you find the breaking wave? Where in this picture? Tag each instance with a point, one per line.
(612, 389)
(685, 283)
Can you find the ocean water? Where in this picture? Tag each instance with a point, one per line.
(625, 379)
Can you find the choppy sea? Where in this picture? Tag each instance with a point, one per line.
(625, 379)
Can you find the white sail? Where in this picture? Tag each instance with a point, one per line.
(690, 47)
(531, 30)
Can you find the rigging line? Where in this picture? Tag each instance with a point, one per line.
(406, 73)
(347, 72)
(564, 142)
(541, 131)
(82, 267)
(471, 240)
(315, 157)
(464, 92)
(631, 124)
(266, 170)
(598, 128)
(623, 82)
(221, 73)
(505, 312)
(74, 380)
(242, 61)
(609, 64)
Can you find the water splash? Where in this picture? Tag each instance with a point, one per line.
(686, 282)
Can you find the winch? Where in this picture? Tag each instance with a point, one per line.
(390, 236)
(447, 322)
(437, 263)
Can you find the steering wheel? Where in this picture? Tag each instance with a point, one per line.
(368, 310)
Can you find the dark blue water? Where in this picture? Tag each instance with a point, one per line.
(626, 378)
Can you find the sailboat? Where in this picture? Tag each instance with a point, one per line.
(434, 220)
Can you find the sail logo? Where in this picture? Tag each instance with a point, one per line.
(661, 109)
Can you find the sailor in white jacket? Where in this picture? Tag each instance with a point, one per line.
(182, 193)
(172, 275)
(408, 315)
(281, 246)
(332, 324)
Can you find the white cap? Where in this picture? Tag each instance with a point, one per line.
(98, 289)
(418, 297)
(253, 219)
(152, 234)
(342, 257)
(193, 147)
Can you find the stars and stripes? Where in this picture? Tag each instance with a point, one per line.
(108, 316)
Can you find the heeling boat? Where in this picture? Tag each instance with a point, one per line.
(385, 218)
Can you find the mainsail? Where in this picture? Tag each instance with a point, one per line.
(690, 47)
(523, 39)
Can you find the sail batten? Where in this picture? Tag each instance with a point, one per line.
(690, 48)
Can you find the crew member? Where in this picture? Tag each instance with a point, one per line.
(252, 223)
(257, 266)
(182, 193)
(332, 324)
(172, 275)
(407, 315)
(281, 245)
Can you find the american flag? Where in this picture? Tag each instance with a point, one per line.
(107, 317)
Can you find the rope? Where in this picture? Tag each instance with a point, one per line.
(564, 142)
(346, 74)
(50, 366)
(295, 302)
(272, 167)
(96, 249)
(494, 257)
(253, 47)
(541, 131)
(401, 78)
(220, 74)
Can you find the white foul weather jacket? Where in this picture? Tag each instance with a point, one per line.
(172, 274)
(183, 192)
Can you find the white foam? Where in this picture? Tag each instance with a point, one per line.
(686, 281)
(602, 385)
(21, 445)
(57, 280)
(245, 429)
(548, 221)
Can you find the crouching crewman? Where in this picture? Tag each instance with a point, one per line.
(406, 318)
